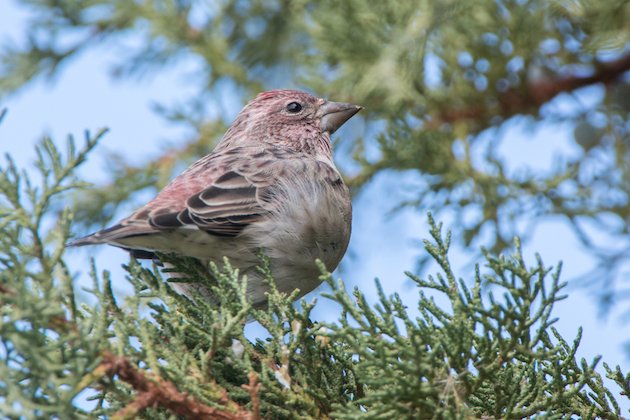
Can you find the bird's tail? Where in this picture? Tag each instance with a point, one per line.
(91, 239)
(113, 234)
(110, 236)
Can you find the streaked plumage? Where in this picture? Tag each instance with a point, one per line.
(269, 184)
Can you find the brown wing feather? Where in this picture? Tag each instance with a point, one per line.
(225, 208)
(239, 194)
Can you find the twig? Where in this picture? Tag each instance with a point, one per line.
(253, 389)
(156, 392)
(5, 290)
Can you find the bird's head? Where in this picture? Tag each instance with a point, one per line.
(290, 118)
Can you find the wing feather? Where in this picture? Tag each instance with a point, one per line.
(225, 208)
(220, 194)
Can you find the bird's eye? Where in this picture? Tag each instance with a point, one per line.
(294, 107)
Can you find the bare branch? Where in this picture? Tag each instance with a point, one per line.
(155, 391)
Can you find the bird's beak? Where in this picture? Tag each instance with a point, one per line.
(332, 115)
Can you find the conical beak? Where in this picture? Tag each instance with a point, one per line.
(333, 114)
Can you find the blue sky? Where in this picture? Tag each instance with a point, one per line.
(383, 245)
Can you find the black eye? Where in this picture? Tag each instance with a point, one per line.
(294, 107)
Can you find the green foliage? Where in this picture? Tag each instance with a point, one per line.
(478, 356)
(157, 354)
(47, 342)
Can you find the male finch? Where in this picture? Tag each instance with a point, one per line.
(270, 185)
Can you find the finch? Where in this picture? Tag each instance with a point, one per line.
(270, 185)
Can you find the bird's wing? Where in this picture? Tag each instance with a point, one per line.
(232, 202)
(220, 194)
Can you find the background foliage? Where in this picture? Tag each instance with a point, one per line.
(442, 82)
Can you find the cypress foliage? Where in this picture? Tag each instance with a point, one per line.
(442, 83)
(156, 354)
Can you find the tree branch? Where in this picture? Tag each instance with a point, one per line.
(253, 388)
(158, 392)
(538, 92)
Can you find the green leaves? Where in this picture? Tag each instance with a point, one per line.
(476, 356)
(462, 351)
(46, 344)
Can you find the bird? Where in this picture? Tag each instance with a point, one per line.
(270, 185)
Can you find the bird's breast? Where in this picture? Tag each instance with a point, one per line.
(311, 220)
